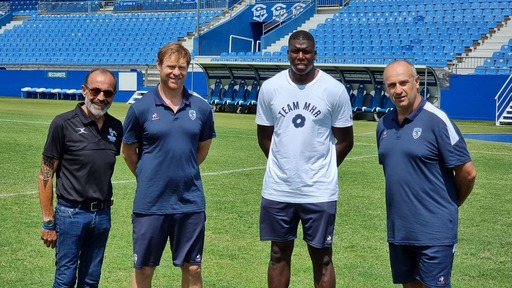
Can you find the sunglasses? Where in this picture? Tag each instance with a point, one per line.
(97, 91)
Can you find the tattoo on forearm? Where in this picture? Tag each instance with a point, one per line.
(47, 169)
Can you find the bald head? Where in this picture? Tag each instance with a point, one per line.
(400, 64)
(402, 83)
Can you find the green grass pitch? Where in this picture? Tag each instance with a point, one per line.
(232, 176)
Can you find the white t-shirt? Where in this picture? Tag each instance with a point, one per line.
(301, 166)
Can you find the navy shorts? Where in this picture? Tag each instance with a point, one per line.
(432, 265)
(279, 222)
(185, 233)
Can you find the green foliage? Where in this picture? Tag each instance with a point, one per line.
(232, 175)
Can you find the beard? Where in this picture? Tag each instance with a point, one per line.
(97, 112)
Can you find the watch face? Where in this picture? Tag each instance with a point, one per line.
(48, 222)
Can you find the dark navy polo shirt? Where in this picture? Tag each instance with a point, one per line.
(167, 171)
(417, 157)
(87, 155)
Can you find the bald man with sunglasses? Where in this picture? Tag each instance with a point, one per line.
(81, 150)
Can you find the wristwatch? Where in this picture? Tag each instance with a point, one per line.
(49, 223)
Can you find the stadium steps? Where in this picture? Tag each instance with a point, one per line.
(320, 17)
(506, 118)
(188, 42)
(493, 42)
(14, 22)
(486, 46)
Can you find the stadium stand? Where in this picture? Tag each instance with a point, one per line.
(433, 32)
(127, 38)
(22, 7)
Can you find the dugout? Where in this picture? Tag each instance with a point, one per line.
(369, 76)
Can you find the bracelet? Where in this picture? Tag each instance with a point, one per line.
(46, 227)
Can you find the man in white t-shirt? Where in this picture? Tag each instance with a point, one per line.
(305, 130)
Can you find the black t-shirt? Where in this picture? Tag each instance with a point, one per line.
(87, 155)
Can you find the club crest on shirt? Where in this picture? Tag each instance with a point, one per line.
(192, 114)
(416, 133)
(112, 135)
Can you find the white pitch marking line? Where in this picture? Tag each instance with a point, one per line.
(203, 174)
(23, 121)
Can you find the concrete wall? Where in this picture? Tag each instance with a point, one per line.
(468, 97)
(471, 97)
(12, 81)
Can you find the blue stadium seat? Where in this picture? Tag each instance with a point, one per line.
(249, 57)
(216, 92)
(479, 70)
(223, 56)
(267, 56)
(376, 104)
(229, 91)
(239, 94)
(491, 70)
(505, 70)
(252, 95)
(387, 103)
(258, 56)
(276, 56)
(359, 97)
(489, 62)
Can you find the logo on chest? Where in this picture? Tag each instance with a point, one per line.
(416, 133)
(81, 130)
(112, 135)
(192, 114)
(299, 120)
